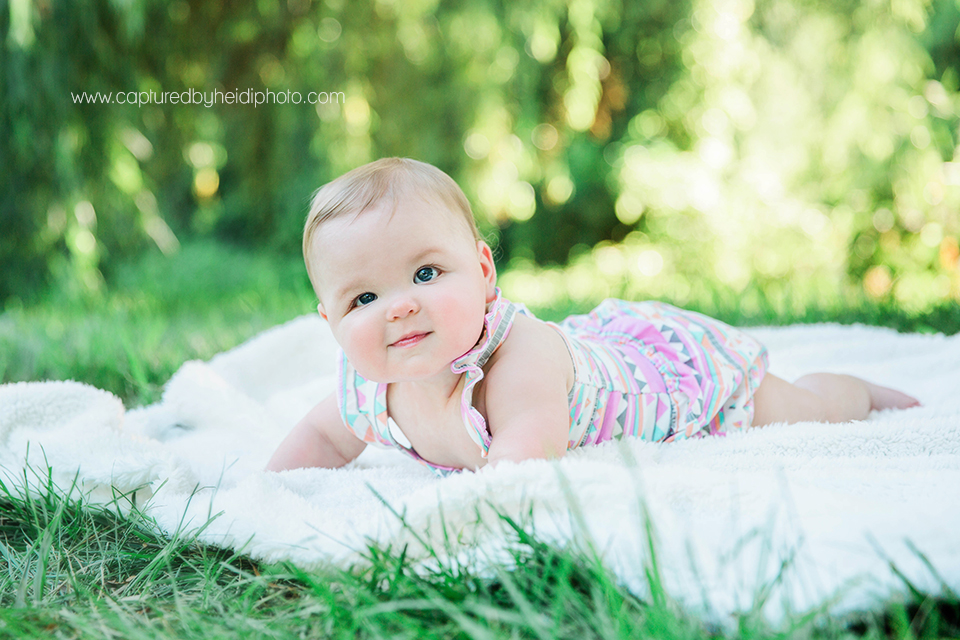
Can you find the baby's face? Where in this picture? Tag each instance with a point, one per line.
(405, 294)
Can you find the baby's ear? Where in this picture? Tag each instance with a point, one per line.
(488, 269)
(321, 312)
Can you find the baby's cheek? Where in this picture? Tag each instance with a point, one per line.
(359, 341)
(467, 319)
(451, 308)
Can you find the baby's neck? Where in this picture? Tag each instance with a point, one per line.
(440, 389)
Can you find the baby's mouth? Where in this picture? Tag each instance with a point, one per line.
(410, 339)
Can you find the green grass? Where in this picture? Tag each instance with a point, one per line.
(76, 570)
(87, 572)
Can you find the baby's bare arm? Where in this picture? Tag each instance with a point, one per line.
(526, 400)
(529, 420)
(320, 439)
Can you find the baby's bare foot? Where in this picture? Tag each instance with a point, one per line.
(886, 398)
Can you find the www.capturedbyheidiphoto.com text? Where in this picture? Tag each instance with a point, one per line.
(210, 98)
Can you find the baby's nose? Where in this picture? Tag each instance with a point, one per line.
(403, 307)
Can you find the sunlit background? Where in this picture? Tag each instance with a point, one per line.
(801, 151)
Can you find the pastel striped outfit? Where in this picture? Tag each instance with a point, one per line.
(641, 369)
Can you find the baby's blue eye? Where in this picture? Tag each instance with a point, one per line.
(425, 274)
(365, 298)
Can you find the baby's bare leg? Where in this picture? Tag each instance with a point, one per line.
(823, 397)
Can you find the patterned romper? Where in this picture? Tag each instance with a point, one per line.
(641, 369)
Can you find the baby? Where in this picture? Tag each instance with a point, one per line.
(434, 361)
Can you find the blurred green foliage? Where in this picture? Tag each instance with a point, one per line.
(798, 148)
(158, 313)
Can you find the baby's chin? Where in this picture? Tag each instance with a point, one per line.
(418, 365)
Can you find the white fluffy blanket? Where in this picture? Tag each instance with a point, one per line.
(815, 514)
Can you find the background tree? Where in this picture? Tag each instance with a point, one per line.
(670, 149)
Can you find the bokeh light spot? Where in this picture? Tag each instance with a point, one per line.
(650, 262)
(629, 208)
(206, 183)
(931, 234)
(477, 145)
(949, 253)
(522, 201)
(84, 242)
(201, 155)
(883, 220)
(545, 137)
(329, 30)
(85, 214)
(559, 189)
(877, 281)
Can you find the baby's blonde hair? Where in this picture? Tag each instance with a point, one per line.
(363, 187)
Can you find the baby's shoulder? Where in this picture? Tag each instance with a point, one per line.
(531, 348)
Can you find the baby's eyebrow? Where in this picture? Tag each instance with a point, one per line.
(426, 252)
(346, 290)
